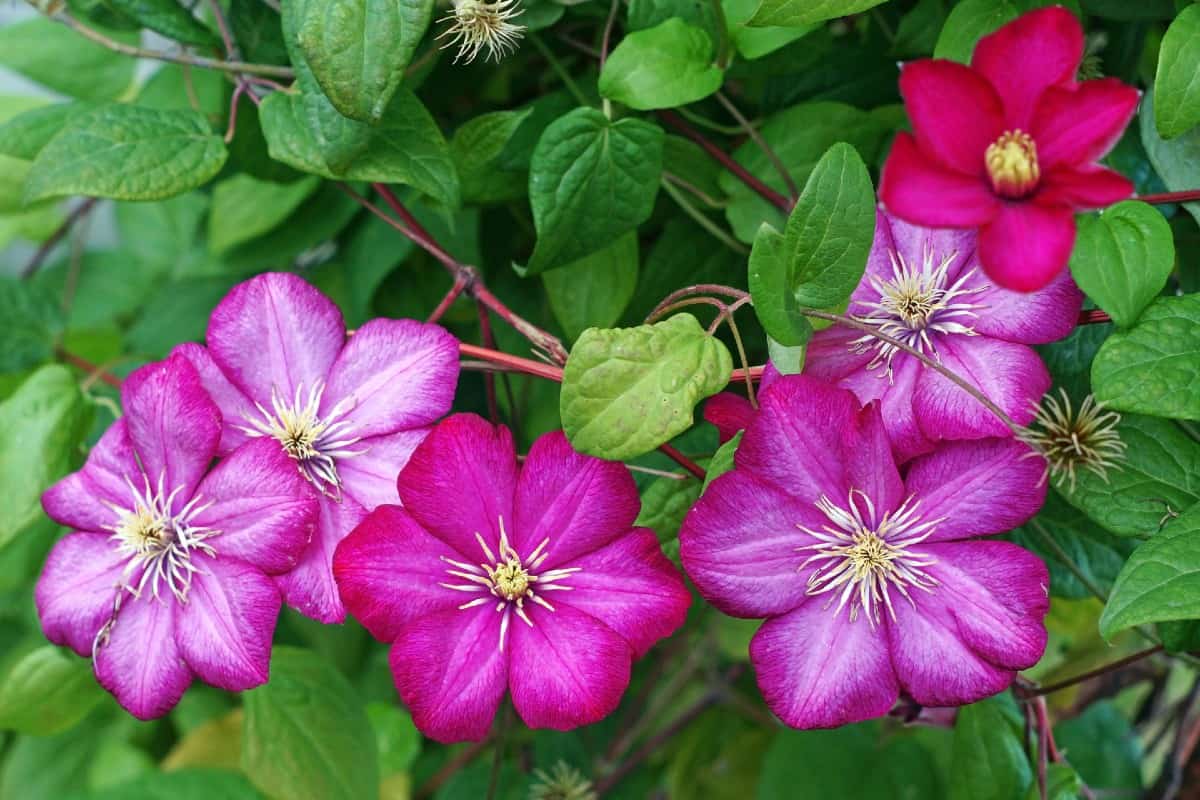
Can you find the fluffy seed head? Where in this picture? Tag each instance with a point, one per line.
(477, 25)
(1069, 441)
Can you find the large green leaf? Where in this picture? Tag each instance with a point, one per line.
(1122, 258)
(592, 292)
(1176, 161)
(128, 153)
(476, 148)
(1105, 749)
(590, 181)
(170, 18)
(988, 760)
(46, 690)
(358, 50)
(770, 283)
(1154, 367)
(793, 13)
(668, 65)
(307, 735)
(30, 320)
(244, 207)
(61, 59)
(183, 784)
(627, 390)
(1161, 580)
(1177, 81)
(26, 134)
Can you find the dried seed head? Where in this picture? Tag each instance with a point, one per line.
(1070, 441)
(564, 782)
(477, 25)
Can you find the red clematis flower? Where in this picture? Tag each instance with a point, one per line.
(1009, 145)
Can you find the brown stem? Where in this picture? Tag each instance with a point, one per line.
(608, 27)
(489, 378)
(1171, 197)
(1093, 316)
(39, 257)
(460, 284)
(682, 460)
(1042, 691)
(758, 139)
(91, 369)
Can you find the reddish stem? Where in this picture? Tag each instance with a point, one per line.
(1171, 197)
(1042, 691)
(514, 363)
(39, 257)
(1093, 316)
(682, 460)
(489, 378)
(90, 368)
(460, 283)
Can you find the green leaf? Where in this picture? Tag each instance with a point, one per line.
(1161, 580)
(1177, 162)
(593, 291)
(476, 148)
(792, 13)
(398, 738)
(1122, 258)
(51, 767)
(664, 505)
(244, 207)
(668, 65)
(770, 283)
(1062, 783)
(128, 153)
(170, 19)
(722, 460)
(757, 42)
(1154, 367)
(1105, 749)
(183, 784)
(47, 690)
(971, 20)
(44, 421)
(26, 134)
(307, 734)
(60, 59)
(625, 391)
(988, 760)
(1177, 81)
(30, 321)
(358, 50)
(590, 181)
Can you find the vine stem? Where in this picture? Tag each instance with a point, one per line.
(1185, 196)
(758, 139)
(451, 768)
(62, 230)
(1042, 691)
(91, 369)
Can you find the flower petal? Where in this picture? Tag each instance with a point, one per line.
(224, 630)
(396, 373)
(983, 619)
(275, 332)
(370, 478)
(729, 412)
(580, 503)
(309, 587)
(174, 426)
(1046, 315)
(465, 466)
(832, 356)
(236, 408)
(390, 572)
(1083, 188)
(817, 670)
(915, 188)
(979, 488)
(899, 416)
(870, 467)
(266, 512)
(1027, 56)
(78, 588)
(1027, 245)
(451, 673)
(631, 587)
(82, 499)
(567, 669)
(1080, 125)
(1010, 375)
(139, 661)
(955, 113)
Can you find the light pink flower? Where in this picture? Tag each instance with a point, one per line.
(493, 576)
(348, 412)
(167, 576)
(870, 581)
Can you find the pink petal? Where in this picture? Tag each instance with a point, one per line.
(1010, 375)
(236, 408)
(1079, 126)
(729, 412)
(899, 416)
(983, 620)
(832, 356)
(451, 673)
(978, 488)
(870, 467)
(139, 662)
(82, 499)
(370, 478)
(917, 189)
(580, 503)
(174, 426)
(389, 572)
(309, 587)
(275, 332)
(817, 670)
(78, 586)
(631, 587)
(225, 628)
(1027, 245)
(740, 545)
(955, 114)
(265, 510)
(1046, 315)
(1027, 56)
(396, 374)
(917, 243)
(465, 466)
(567, 669)
(1083, 188)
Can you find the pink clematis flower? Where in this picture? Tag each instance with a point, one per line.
(1009, 145)
(925, 287)
(869, 579)
(349, 413)
(167, 576)
(493, 576)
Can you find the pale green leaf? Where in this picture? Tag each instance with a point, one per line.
(244, 207)
(791, 13)
(46, 690)
(61, 59)
(1177, 81)
(668, 65)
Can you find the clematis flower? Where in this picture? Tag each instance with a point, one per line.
(167, 576)
(348, 413)
(870, 580)
(494, 577)
(925, 287)
(1009, 145)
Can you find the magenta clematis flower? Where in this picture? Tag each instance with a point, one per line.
(167, 576)
(1009, 145)
(869, 579)
(349, 413)
(493, 576)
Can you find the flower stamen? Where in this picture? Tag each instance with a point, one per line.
(1069, 441)
(1012, 164)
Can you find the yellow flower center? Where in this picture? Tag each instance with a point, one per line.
(1012, 164)
(511, 580)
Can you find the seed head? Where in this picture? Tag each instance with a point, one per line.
(564, 782)
(476, 25)
(1069, 441)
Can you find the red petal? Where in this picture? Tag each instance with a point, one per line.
(1083, 188)
(955, 114)
(1027, 245)
(922, 192)
(1078, 126)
